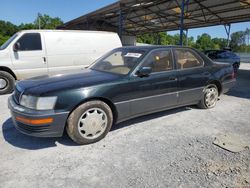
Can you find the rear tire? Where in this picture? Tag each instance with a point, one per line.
(236, 66)
(7, 82)
(210, 97)
(90, 122)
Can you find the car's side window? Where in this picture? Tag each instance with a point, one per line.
(30, 42)
(159, 61)
(186, 59)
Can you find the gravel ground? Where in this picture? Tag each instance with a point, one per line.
(168, 149)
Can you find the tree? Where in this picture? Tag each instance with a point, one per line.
(219, 43)
(26, 26)
(47, 22)
(3, 39)
(162, 38)
(237, 39)
(7, 28)
(204, 42)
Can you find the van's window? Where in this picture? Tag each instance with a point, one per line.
(30, 42)
(6, 44)
(159, 60)
(119, 61)
(186, 58)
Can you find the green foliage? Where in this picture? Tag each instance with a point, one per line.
(47, 22)
(204, 42)
(240, 41)
(220, 43)
(3, 39)
(7, 29)
(26, 26)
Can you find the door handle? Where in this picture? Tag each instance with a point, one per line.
(206, 74)
(172, 78)
(44, 60)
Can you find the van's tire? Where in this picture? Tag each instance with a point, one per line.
(209, 97)
(89, 122)
(7, 82)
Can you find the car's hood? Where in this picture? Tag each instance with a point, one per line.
(45, 84)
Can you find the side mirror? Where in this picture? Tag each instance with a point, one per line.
(16, 47)
(144, 72)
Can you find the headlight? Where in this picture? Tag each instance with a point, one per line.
(38, 103)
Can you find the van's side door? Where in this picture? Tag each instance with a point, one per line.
(30, 58)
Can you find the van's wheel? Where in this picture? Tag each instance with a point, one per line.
(7, 82)
(90, 122)
(210, 97)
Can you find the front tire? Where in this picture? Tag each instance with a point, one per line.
(210, 97)
(7, 82)
(90, 122)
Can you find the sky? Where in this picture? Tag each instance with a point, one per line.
(25, 11)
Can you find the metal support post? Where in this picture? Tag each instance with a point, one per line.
(182, 21)
(228, 29)
(186, 37)
(120, 24)
(183, 4)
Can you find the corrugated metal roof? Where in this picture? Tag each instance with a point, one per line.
(144, 16)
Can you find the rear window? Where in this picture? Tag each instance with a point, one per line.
(186, 59)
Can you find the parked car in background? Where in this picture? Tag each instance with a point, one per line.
(46, 52)
(125, 83)
(225, 56)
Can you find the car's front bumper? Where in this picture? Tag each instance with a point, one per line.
(23, 119)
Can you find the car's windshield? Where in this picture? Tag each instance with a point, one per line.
(119, 61)
(6, 44)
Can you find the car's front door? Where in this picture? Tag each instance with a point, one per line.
(30, 59)
(192, 75)
(158, 90)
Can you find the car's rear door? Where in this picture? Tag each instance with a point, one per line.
(193, 75)
(158, 90)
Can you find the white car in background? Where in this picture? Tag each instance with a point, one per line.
(47, 52)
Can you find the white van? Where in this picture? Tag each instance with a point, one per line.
(47, 52)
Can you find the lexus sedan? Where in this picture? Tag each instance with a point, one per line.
(225, 56)
(125, 83)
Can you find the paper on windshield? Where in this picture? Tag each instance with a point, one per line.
(136, 55)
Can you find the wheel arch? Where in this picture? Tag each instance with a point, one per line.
(6, 69)
(218, 85)
(103, 99)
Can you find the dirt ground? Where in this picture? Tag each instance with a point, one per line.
(168, 149)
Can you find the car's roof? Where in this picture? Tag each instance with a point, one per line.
(63, 31)
(152, 47)
(218, 51)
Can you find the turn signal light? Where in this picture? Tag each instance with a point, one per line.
(34, 121)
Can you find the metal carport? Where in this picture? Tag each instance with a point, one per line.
(135, 17)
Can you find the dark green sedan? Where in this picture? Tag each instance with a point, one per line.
(125, 83)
